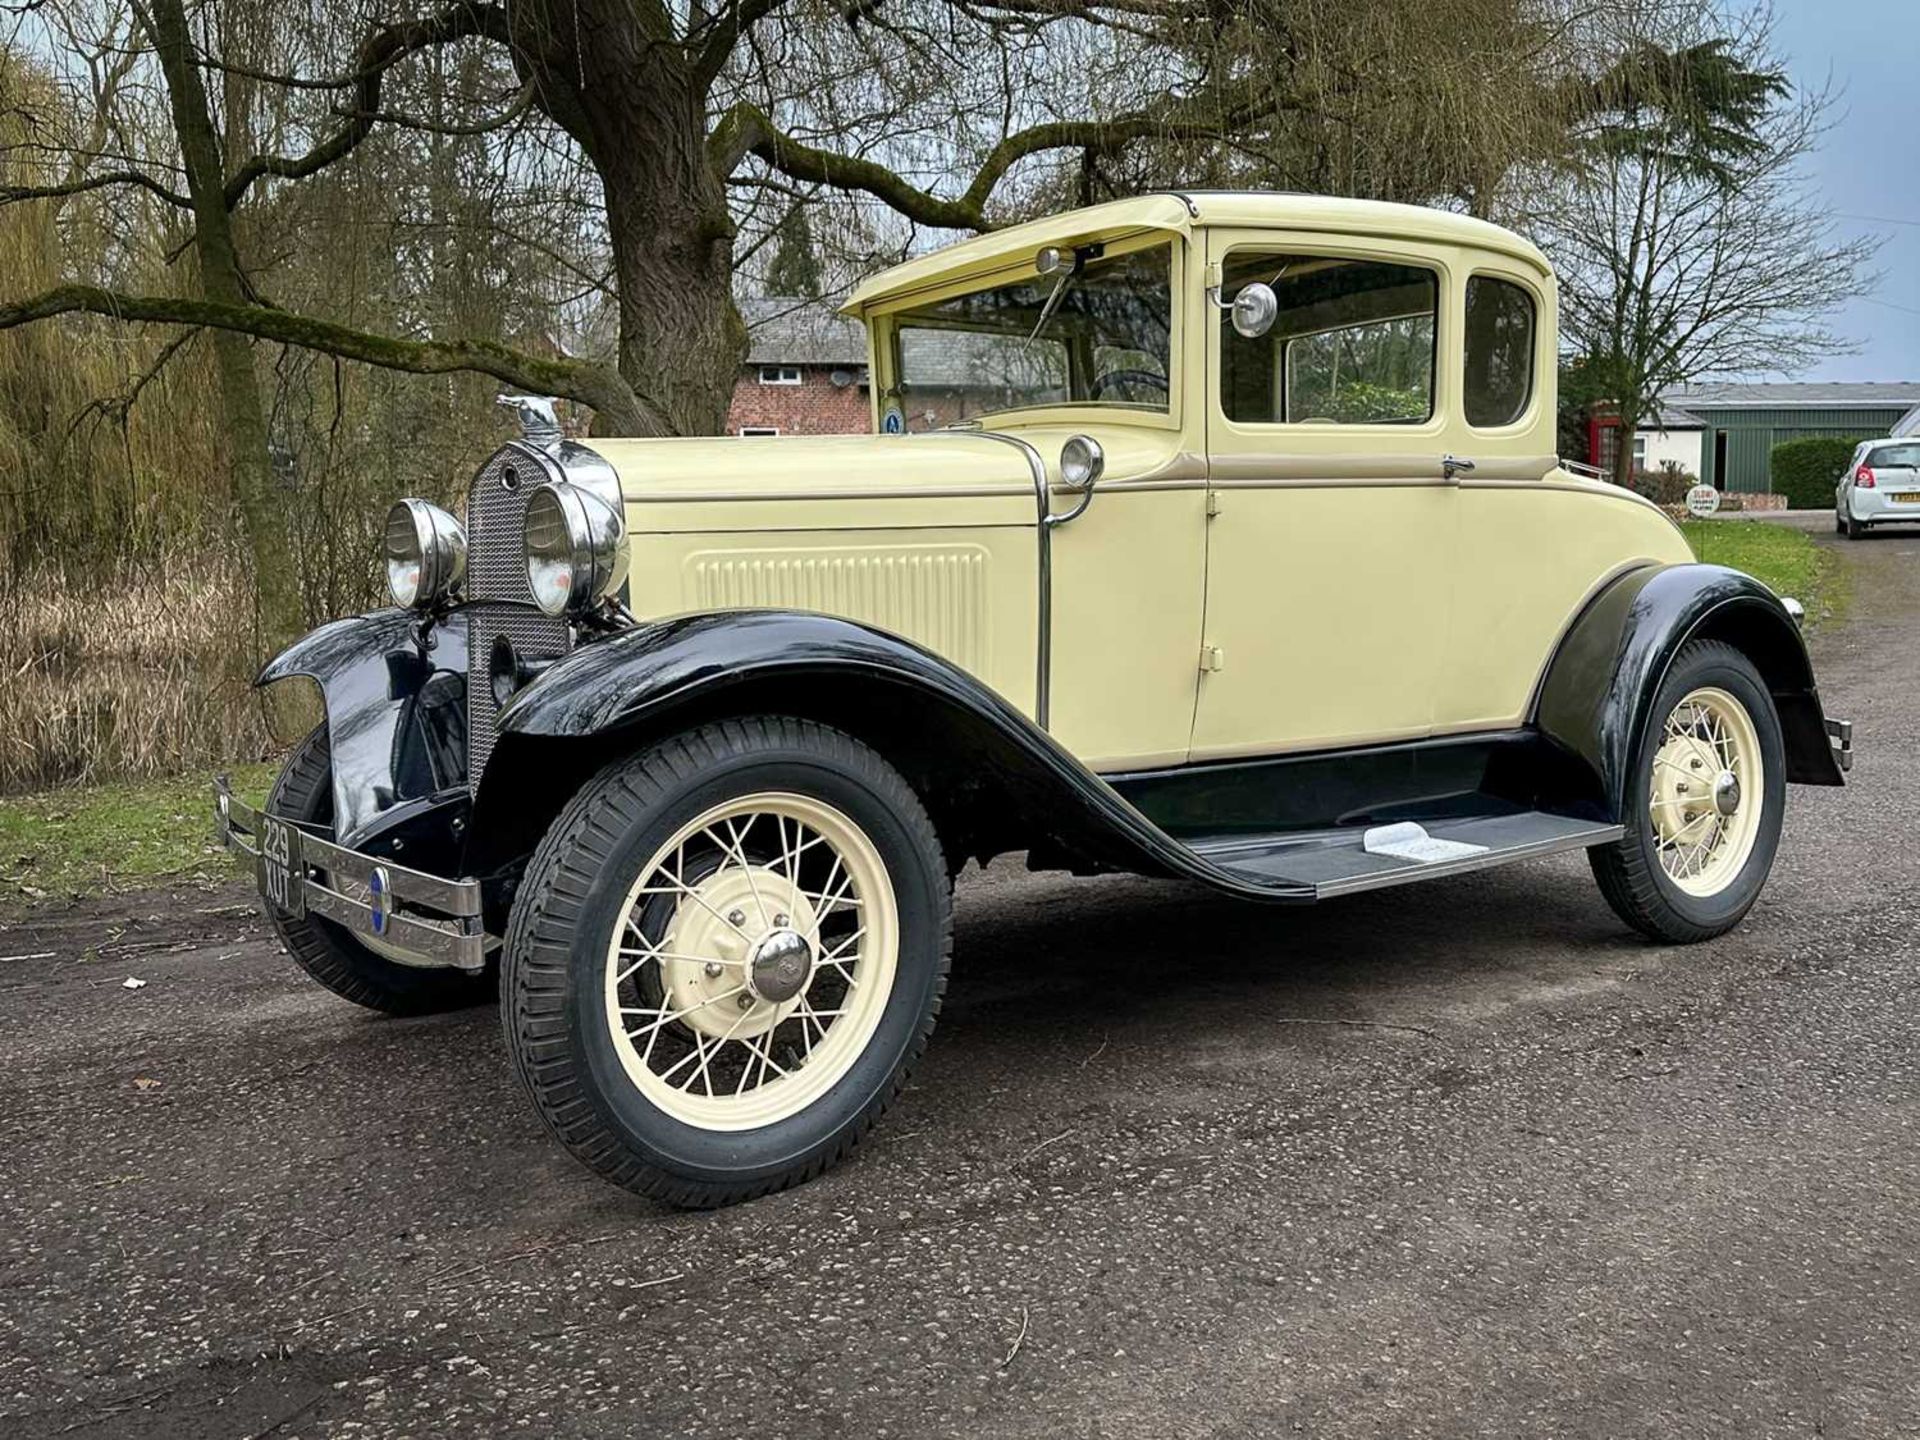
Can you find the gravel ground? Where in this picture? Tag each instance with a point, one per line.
(1462, 1159)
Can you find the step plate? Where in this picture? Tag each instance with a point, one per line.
(1338, 865)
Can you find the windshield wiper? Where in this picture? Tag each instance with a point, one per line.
(1053, 300)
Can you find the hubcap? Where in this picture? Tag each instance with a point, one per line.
(753, 962)
(782, 965)
(1705, 791)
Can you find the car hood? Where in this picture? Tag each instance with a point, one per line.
(819, 482)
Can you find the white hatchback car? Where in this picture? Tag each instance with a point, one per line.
(1881, 486)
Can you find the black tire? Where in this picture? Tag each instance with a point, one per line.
(1854, 528)
(329, 952)
(1629, 871)
(574, 895)
(1839, 523)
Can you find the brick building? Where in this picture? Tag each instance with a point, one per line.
(806, 371)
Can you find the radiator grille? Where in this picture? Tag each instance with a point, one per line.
(496, 571)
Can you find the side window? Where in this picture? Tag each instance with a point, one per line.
(1499, 352)
(1353, 344)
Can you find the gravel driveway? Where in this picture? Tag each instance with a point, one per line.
(1462, 1159)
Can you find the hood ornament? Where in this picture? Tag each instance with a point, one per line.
(538, 424)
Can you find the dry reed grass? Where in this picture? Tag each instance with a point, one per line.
(134, 676)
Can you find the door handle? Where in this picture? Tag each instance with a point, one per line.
(1452, 467)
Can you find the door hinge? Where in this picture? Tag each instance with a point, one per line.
(1213, 503)
(1212, 658)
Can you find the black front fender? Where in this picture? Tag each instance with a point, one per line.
(1600, 686)
(964, 747)
(396, 716)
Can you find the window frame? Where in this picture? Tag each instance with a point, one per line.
(1529, 413)
(1184, 265)
(1251, 435)
(758, 432)
(780, 375)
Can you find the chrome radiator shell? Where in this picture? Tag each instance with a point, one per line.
(500, 602)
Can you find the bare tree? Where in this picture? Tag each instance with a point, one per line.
(1687, 243)
(616, 160)
(949, 114)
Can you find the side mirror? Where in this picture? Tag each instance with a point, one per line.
(1254, 309)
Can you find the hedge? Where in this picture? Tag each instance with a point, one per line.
(1806, 470)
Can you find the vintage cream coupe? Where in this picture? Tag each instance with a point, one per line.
(1209, 536)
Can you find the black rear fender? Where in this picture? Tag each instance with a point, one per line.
(1600, 685)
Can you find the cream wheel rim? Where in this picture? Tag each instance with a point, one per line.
(752, 961)
(1706, 791)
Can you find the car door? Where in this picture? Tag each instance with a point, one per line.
(1532, 545)
(1328, 586)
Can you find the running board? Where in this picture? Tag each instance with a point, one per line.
(1328, 863)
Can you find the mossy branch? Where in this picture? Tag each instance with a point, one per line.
(619, 410)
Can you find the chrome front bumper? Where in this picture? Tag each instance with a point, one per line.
(409, 915)
(1840, 737)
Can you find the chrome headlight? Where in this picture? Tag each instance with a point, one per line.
(426, 553)
(576, 548)
(1081, 461)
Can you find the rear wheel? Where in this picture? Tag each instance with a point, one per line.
(725, 957)
(1704, 804)
(329, 952)
(1854, 528)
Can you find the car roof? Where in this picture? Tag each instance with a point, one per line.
(1183, 213)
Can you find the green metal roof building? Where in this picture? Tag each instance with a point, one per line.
(1740, 424)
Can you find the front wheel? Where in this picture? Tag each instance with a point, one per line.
(1704, 802)
(725, 957)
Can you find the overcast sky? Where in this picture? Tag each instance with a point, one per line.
(1868, 168)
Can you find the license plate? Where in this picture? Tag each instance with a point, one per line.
(1906, 497)
(281, 871)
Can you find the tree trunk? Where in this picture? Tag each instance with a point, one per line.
(1623, 471)
(276, 590)
(612, 73)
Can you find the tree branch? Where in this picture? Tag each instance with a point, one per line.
(745, 129)
(380, 52)
(618, 406)
(11, 193)
(724, 32)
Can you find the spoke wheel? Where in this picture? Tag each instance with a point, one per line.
(753, 961)
(725, 957)
(1707, 789)
(1702, 804)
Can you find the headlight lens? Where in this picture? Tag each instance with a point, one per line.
(1081, 461)
(576, 548)
(426, 552)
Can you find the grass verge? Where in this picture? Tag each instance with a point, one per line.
(1783, 558)
(93, 839)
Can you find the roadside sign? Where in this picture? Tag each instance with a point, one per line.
(1702, 501)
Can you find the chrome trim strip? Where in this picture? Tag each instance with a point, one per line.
(1043, 528)
(1276, 466)
(452, 937)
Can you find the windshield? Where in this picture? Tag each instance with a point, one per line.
(1895, 457)
(1105, 342)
